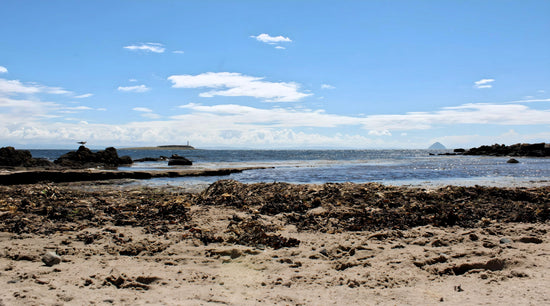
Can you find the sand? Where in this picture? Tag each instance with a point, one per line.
(197, 250)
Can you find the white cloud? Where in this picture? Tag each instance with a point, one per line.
(16, 87)
(146, 112)
(327, 86)
(239, 85)
(237, 125)
(132, 80)
(484, 83)
(178, 52)
(380, 133)
(142, 109)
(280, 47)
(268, 39)
(3, 69)
(84, 96)
(147, 47)
(137, 88)
(234, 116)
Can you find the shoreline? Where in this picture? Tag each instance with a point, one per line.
(274, 243)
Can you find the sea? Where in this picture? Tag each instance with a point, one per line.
(389, 167)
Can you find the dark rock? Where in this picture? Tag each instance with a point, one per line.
(179, 160)
(51, 259)
(530, 240)
(11, 157)
(513, 161)
(460, 150)
(85, 158)
(149, 159)
(520, 149)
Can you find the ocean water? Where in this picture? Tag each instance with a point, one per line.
(392, 167)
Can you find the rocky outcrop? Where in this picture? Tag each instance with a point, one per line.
(520, 149)
(176, 160)
(151, 159)
(10, 157)
(76, 175)
(85, 158)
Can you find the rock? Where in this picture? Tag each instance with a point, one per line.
(505, 240)
(11, 157)
(530, 240)
(513, 161)
(51, 259)
(519, 149)
(460, 150)
(85, 158)
(175, 159)
(149, 159)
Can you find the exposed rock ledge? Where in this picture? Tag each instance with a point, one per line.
(57, 176)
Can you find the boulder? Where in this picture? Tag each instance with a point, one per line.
(175, 159)
(513, 161)
(85, 158)
(10, 157)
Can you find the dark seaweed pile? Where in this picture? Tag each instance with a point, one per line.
(48, 208)
(356, 207)
(329, 207)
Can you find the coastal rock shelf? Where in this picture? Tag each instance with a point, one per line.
(57, 176)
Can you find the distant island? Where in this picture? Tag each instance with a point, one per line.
(437, 146)
(164, 147)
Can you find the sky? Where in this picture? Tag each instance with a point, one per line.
(274, 74)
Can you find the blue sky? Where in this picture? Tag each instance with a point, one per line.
(274, 74)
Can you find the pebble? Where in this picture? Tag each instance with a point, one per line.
(505, 240)
(51, 259)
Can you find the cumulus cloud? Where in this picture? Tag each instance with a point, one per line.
(239, 85)
(3, 69)
(484, 83)
(137, 88)
(233, 116)
(327, 86)
(10, 87)
(147, 47)
(268, 39)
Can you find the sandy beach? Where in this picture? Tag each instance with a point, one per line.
(274, 244)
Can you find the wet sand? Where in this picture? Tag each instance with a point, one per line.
(284, 244)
